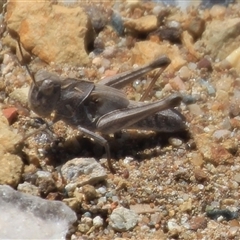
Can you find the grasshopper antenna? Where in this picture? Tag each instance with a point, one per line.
(14, 34)
(25, 64)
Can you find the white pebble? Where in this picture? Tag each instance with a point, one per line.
(102, 200)
(127, 160)
(192, 66)
(221, 134)
(173, 24)
(172, 225)
(175, 142)
(137, 84)
(97, 61)
(156, 10)
(87, 220)
(159, 94)
(115, 199)
(102, 190)
(109, 52)
(97, 221)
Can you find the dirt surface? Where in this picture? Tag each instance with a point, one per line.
(180, 185)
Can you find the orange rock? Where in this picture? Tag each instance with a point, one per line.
(52, 32)
(211, 151)
(11, 114)
(146, 23)
(146, 51)
(109, 73)
(114, 205)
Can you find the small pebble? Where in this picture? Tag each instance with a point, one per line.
(128, 160)
(125, 173)
(115, 199)
(233, 59)
(177, 84)
(123, 219)
(105, 63)
(72, 203)
(237, 177)
(184, 73)
(97, 221)
(192, 66)
(172, 225)
(137, 84)
(89, 192)
(234, 231)
(189, 99)
(211, 90)
(204, 63)
(28, 188)
(200, 175)
(102, 190)
(155, 218)
(156, 10)
(195, 109)
(175, 142)
(196, 27)
(97, 61)
(173, 24)
(87, 214)
(11, 114)
(117, 23)
(198, 223)
(221, 134)
(217, 11)
(109, 52)
(102, 200)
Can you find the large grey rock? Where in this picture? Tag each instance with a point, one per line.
(123, 219)
(28, 217)
(82, 171)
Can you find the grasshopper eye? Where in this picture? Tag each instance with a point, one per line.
(48, 87)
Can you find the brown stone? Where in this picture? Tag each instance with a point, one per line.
(89, 192)
(143, 24)
(211, 151)
(200, 175)
(196, 27)
(11, 168)
(143, 53)
(8, 139)
(220, 41)
(198, 223)
(52, 32)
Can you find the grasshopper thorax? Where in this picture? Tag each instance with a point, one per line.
(45, 93)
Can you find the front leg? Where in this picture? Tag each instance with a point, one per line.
(46, 126)
(102, 141)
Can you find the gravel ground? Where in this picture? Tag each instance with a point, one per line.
(183, 185)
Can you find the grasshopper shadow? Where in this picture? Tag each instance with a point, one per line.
(139, 146)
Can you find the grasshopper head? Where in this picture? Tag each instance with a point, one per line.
(44, 93)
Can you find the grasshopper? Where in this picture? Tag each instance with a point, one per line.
(102, 107)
